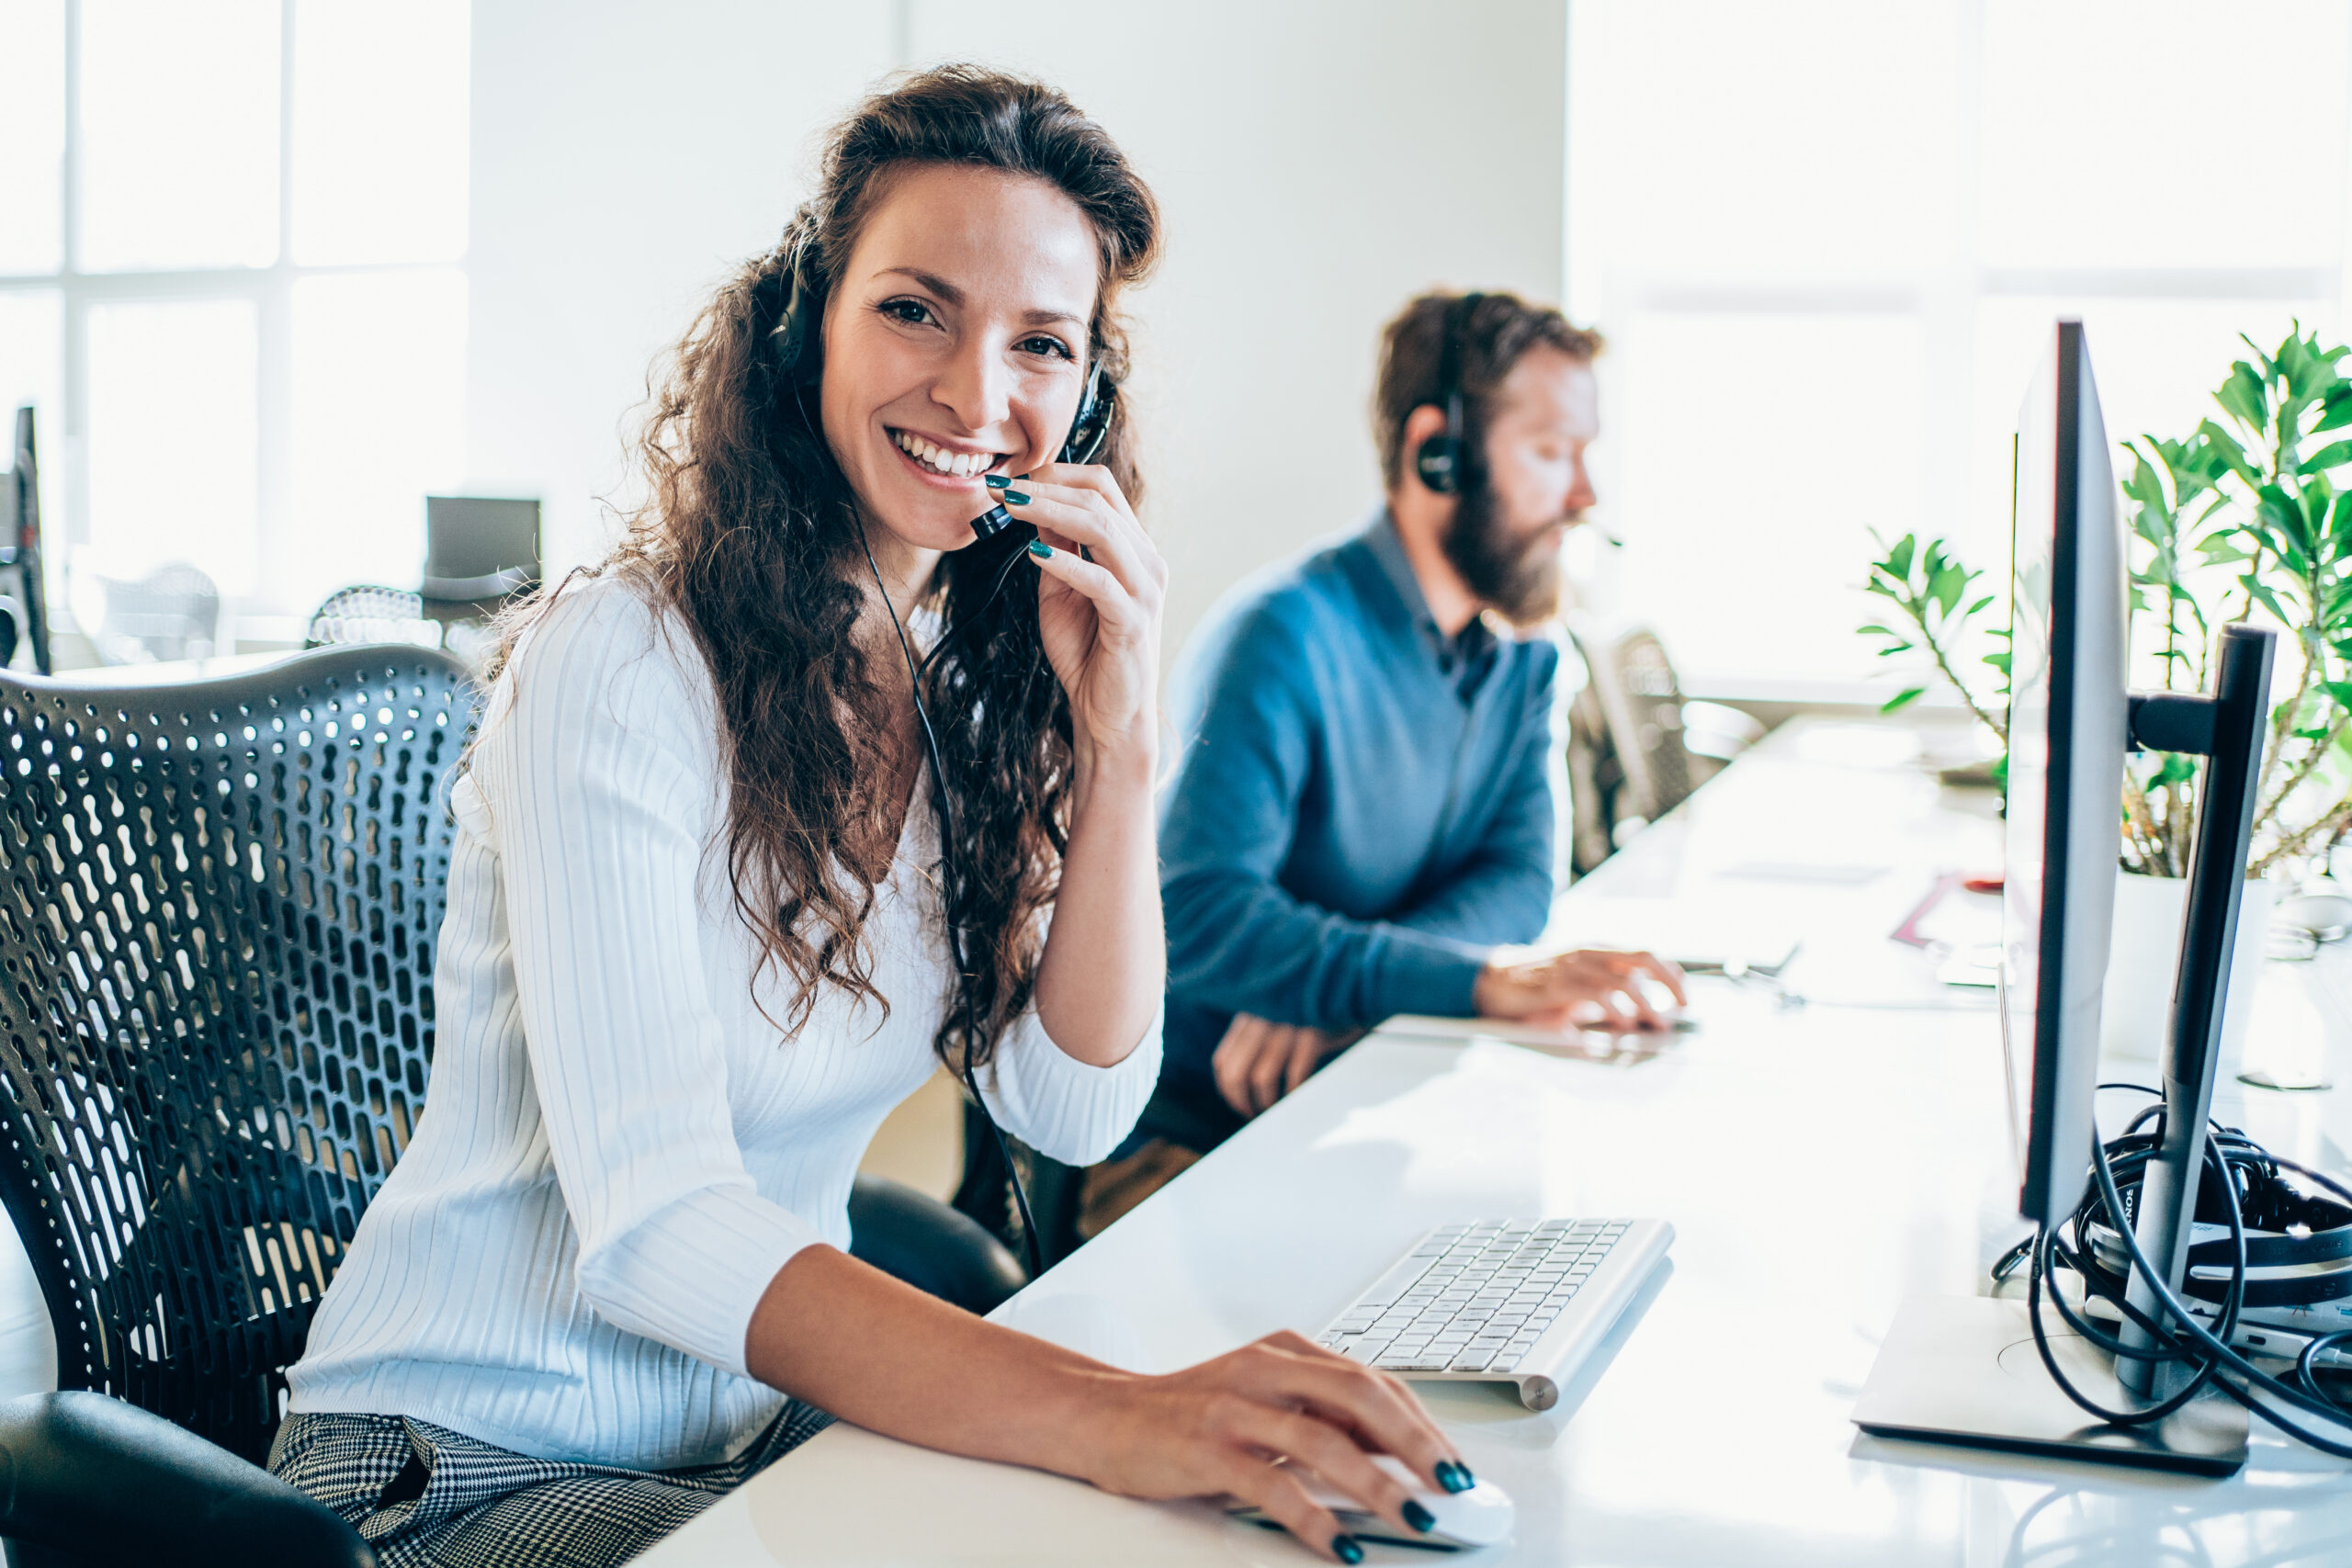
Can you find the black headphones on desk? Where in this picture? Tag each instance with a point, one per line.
(1441, 459)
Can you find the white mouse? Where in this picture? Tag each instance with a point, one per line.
(1481, 1517)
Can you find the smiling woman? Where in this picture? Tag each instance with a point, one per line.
(702, 935)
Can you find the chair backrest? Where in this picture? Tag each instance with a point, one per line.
(365, 613)
(218, 915)
(171, 612)
(1638, 692)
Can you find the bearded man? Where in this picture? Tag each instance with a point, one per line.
(1361, 819)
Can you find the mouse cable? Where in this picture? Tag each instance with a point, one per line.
(943, 802)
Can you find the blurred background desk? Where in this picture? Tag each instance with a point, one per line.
(1820, 1162)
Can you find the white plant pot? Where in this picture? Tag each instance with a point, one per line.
(2135, 1007)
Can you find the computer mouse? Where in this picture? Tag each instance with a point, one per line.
(1484, 1516)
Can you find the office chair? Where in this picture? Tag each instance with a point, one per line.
(1637, 747)
(367, 614)
(219, 907)
(171, 612)
(985, 1193)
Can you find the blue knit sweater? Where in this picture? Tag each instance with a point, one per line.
(1361, 809)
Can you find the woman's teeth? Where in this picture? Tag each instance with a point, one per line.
(940, 460)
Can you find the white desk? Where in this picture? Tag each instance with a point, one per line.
(1819, 1164)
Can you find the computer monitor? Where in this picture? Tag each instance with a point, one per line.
(479, 546)
(1969, 1370)
(2068, 729)
(20, 558)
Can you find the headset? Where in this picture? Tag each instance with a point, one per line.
(2285, 1232)
(1442, 459)
(796, 347)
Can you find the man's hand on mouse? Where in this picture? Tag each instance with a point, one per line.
(1258, 1062)
(1589, 989)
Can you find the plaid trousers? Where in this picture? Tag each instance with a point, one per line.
(426, 1497)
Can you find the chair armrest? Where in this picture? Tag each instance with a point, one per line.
(929, 1245)
(95, 1480)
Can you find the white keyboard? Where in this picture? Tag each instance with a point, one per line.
(1502, 1301)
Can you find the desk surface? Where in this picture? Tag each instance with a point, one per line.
(1819, 1163)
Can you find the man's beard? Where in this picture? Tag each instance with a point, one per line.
(1516, 575)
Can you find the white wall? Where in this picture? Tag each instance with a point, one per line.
(1319, 162)
(626, 156)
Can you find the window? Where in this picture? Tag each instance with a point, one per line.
(1828, 239)
(229, 282)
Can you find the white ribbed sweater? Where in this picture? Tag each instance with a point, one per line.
(618, 1151)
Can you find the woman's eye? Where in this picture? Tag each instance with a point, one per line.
(1050, 345)
(913, 312)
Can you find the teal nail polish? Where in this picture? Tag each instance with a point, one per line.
(996, 482)
(1420, 1518)
(1041, 549)
(1014, 498)
(1347, 1549)
(1454, 1477)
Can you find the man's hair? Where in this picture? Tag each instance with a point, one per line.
(1500, 327)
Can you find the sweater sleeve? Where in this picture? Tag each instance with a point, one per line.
(596, 769)
(1061, 1106)
(1236, 941)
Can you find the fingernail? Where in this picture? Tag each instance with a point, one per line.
(1454, 1477)
(996, 482)
(1041, 549)
(1014, 498)
(1420, 1518)
(1347, 1549)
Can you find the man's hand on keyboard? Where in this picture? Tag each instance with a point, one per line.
(1590, 988)
(1256, 1062)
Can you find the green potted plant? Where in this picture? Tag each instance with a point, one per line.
(2240, 520)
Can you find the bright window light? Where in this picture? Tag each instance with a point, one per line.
(1829, 240)
(173, 440)
(2164, 133)
(179, 117)
(380, 132)
(32, 131)
(379, 406)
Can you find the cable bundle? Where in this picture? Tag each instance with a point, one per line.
(2239, 1171)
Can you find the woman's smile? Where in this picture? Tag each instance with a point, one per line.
(944, 462)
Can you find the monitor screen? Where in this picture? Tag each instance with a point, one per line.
(479, 546)
(2067, 731)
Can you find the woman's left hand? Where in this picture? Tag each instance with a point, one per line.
(1100, 618)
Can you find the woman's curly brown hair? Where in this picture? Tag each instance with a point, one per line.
(750, 532)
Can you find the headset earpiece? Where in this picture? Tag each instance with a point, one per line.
(1440, 459)
(1092, 428)
(796, 343)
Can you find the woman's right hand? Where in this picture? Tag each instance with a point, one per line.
(1243, 1423)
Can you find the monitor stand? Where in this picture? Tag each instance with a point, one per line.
(1963, 1369)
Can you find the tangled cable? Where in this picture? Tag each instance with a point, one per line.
(2241, 1166)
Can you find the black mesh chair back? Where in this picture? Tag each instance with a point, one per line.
(367, 614)
(216, 926)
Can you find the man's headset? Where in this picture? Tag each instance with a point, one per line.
(797, 348)
(1442, 459)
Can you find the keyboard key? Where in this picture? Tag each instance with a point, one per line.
(1474, 1359)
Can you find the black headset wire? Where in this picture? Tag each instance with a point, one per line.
(2225, 1152)
(943, 805)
